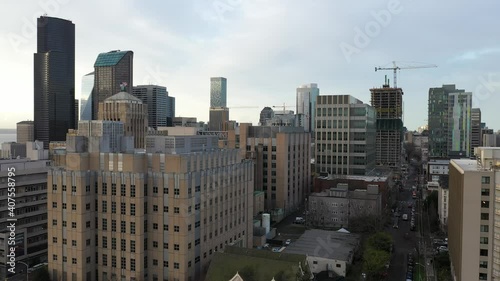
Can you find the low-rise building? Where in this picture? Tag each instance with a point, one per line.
(326, 250)
(335, 207)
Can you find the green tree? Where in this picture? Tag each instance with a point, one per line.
(249, 273)
(366, 224)
(283, 275)
(375, 261)
(380, 241)
(41, 274)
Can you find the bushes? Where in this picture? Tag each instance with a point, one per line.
(377, 254)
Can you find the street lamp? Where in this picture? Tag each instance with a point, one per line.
(27, 268)
(422, 266)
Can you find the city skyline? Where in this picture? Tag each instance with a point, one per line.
(198, 40)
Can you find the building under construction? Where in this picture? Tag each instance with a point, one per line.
(388, 104)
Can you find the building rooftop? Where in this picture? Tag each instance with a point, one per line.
(439, 162)
(26, 122)
(355, 177)
(467, 165)
(325, 244)
(110, 59)
(123, 96)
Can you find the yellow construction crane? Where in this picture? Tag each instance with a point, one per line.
(398, 65)
(284, 106)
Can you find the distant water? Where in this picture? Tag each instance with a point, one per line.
(7, 135)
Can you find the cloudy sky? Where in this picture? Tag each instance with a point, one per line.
(266, 48)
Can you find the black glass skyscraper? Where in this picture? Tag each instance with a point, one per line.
(54, 79)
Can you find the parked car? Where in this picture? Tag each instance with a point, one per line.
(288, 242)
(405, 217)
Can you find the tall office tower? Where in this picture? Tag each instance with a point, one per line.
(155, 97)
(449, 118)
(111, 71)
(265, 114)
(282, 163)
(475, 129)
(306, 105)
(219, 113)
(473, 234)
(218, 92)
(148, 216)
(388, 104)
(345, 135)
(130, 110)
(86, 97)
(219, 116)
(54, 79)
(77, 112)
(30, 211)
(25, 131)
(170, 111)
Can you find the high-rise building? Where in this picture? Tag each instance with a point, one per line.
(449, 119)
(218, 92)
(155, 97)
(86, 97)
(472, 221)
(171, 110)
(130, 110)
(30, 211)
(388, 104)
(306, 105)
(25, 131)
(345, 135)
(54, 79)
(265, 114)
(219, 113)
(112, 70)
(475, 129)
(219, 116)
(282, 163)
(77, 112)
(147, 216)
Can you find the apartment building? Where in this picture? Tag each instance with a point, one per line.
(117, 215)
(282, 163)
(30, 210)
(472, 231)
(345, 136)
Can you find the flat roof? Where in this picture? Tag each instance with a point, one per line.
(325, 244)
(467, 165)
(355, 177)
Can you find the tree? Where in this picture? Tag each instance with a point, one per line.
(375, 261)
(380, 241)
(249, 273)
(41, 274)
(284, 276)
(366, 224)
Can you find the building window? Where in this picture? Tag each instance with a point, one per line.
(176, 228)
(485, 180)
(483, 276)
(485, 192)
(485, 204)
(483, 252)
(483, 264)
(483, 240)
(176, 265)
(132, 264)
(485, 216)
(132, 227)
(176, 247)
(132, 246)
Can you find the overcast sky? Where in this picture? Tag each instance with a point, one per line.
(266, 49)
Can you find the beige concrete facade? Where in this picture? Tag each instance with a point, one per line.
(473, 234)
(25, 131)
(147, 216)
(282, 163)
(131, 111)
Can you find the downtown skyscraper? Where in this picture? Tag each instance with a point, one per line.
(112, 70)
(219, 113)
(54, 79)
(306, 105)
